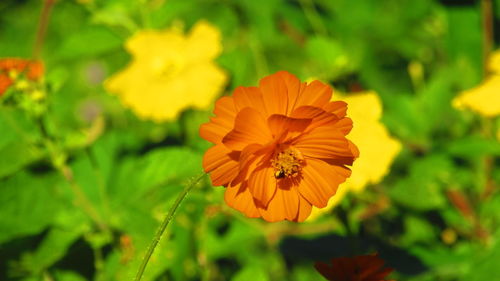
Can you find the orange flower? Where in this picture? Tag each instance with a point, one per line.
(13, 66)
(5, 83)
(279, 148)
(358, 268)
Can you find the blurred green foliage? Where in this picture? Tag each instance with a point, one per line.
(417, 54)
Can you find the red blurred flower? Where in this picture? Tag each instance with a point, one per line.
(279, 148)
(11, 67)
(358, 268)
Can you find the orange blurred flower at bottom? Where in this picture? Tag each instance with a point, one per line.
(280, 148)
(11, 68)
(358, 268)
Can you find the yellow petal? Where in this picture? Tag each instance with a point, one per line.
(494, 62)
(377, 148)
(483, 99)
(170, 72)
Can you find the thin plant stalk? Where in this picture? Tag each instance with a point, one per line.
(487, 124)
(487, 27)
(163, 226)
(42, 27)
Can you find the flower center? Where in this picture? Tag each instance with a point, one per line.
(166, 68)
(287, 163)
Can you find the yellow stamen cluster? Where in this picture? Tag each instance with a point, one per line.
(287, 163)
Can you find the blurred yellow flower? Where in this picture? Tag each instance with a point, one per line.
(485, 98)
(170, 71)
(377, 148)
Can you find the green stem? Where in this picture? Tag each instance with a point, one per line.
(487, 124)
(163, 226)
(313, 17)
(259, 58)
(101, 182)
(58, 157)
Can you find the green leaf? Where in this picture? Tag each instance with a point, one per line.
(305, 273)
(159, 167)
(251, 272)
(417, 230)
(448, 263)
(27, 204)
(18, 136)
(473, 146)
(463, 43)
(16, 155)
(403, 116)
(485, 266)
(192, 120)
(63, 275)
(329, 55)
(78, 44)
(115, 15)
(53, 247)
(237, 241)
(422, 189)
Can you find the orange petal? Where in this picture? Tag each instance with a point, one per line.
(318, 115)
(339, 108)
(5, 83)
(225, 108)
(262, 184)
(249, 97)
(221, 163)
(213, 132)
(280, 125)
(324, 142)
(304, 209)
(13, 64)
(222, 123)
(35, 70)
(294, 89)
(354, 149)
(275, 94)
(291, 202)
(284, 205)
(320, 181)
(249, 157)
(249, 127)
(344, 125)
(315, 94)
(239, 198)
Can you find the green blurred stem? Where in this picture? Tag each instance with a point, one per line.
(42, 27)
(487, 124)
(313, 17)
(98, 263)
(144, 14)
(163, 226)
(487, 24)
(58, 157)
(260, 60)
(101, 183)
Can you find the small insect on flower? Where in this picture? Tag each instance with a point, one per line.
(358, 268)
(279, 148)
